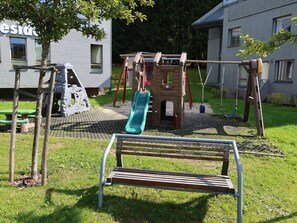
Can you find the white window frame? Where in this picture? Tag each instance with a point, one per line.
(283, 22)
(234, 37)
(284, 70)
(18, 61)
(96, 58)
(38, 57)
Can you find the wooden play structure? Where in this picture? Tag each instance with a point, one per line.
(165, 76)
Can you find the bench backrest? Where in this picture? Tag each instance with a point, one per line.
(168, 148)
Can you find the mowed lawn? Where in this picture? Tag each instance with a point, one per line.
(270, 183)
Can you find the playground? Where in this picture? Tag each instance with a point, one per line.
(71, 192)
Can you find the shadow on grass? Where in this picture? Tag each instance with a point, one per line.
(281, 218)
(121, 209)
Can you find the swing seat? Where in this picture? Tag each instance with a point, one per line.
(202, 108)
(230, 116)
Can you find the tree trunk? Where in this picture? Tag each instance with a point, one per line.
(38, 117)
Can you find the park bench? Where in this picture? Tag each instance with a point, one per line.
(173, 148)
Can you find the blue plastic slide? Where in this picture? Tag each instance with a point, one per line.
(138, 112)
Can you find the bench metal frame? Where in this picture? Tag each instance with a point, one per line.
(232, 143)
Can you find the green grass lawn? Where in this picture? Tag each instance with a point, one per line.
(270, 184)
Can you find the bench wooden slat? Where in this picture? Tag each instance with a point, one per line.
(213, 180)
(173, 156)
(165, 174)
(207, 183)
(171, 143)
(181, 146)
(160, 172)
(179, 151)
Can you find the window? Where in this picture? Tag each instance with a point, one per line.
(283, 70)
(18, 51)
(18, 48)
(167, 78)
(38, 52)
(96, 58)
(282, 23)
(243, 75)
(234, 36)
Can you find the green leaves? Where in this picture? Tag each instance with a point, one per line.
(260, 48)
(53, 19)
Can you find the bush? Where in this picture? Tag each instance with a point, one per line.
(216, 92)
(278, 98)
(294, 100)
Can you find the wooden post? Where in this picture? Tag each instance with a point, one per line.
(47, 127)
(13, 125)
(120, 80)
(257, 98)
(248, 98)
(38, 119)
(125, 83)
(253, 95)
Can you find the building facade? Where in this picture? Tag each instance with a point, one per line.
(260, 19)
(91, 59)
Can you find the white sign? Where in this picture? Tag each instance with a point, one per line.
(17, 30)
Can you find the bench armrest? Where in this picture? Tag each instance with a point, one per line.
(239, 193)
(102, 169)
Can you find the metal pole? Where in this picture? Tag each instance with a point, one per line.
(13, 125)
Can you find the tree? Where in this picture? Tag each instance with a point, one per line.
(260, 48)
(53, 19)
(168, 29)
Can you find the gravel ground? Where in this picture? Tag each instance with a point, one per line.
(102, 122)
(209, 125)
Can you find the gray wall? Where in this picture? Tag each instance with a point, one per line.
(213, 53)
(255, 17)
(73, 48)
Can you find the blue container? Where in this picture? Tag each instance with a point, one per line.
(202, 109)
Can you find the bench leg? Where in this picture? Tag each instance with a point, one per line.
(100, 196)
(239, 208)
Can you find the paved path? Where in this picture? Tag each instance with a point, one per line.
(99, 123)
(102, 122)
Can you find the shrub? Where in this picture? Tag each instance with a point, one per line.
(216, 92)
(278, 98)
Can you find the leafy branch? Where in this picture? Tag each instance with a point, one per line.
(260, 48)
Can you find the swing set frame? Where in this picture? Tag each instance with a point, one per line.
(254, 69)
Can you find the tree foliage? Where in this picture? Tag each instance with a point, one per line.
(260, 48)
(53, 19)
(168, 29)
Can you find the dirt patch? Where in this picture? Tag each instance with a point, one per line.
(214, 126)
(27, 181)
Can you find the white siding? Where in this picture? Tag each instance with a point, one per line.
(73, 48)
(260, 26)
